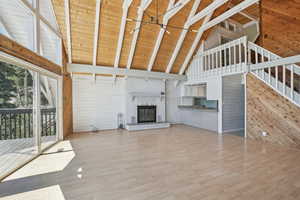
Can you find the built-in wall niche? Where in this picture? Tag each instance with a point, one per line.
(194, 90)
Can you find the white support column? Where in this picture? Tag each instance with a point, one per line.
(144, 5)
(126, 6)
(67, 21)
(96, 32)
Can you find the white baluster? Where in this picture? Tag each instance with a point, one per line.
(292, 82)
(269, 69)
(283, 80)
(234, 56)
(256, 59)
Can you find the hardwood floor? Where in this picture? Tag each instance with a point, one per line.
(177, 163)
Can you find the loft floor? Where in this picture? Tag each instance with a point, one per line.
(177, 163)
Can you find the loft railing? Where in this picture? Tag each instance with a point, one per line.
(283, 75)
(228, 58)
(18, 123)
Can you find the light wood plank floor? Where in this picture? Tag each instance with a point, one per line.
(178, 163)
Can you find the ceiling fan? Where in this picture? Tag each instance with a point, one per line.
(155, 20)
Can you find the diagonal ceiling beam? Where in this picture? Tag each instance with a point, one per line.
(144, 5)
(126, 6)
(96, 33)
(187, 25)
(206, 11)
(206, 26)
(162, 31)
(68, 25)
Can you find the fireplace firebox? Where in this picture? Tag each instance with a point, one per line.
(146, 114)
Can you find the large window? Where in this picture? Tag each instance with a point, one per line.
(32, 23)
(29, 115)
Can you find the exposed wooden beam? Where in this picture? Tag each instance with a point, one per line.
(81, 68)
(144, 5)
(173, 10)
(126, 6)
(159, 37)
(96, 32)
(182, 36)
(195, 43)
(217, 20)
(68, 26)
(206, 11)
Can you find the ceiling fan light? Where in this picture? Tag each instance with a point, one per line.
(129, 20)
(168, 32)
(195, 31)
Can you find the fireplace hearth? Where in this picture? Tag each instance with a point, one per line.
(146, 114)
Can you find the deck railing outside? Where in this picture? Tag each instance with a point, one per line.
(18, 123)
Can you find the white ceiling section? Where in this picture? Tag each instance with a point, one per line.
(33, 28)
(49, 43)
(46, 10)
(18, 22)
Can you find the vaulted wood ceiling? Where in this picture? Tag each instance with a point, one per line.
(82, 28)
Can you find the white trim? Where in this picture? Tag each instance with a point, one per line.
(82, 68)
(67, 21)
(233, 130)
(96, 32)
(144, 5)
(182, 36)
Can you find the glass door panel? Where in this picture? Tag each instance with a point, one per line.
(18, 143)
(48, 120)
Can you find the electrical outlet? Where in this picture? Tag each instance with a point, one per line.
(264, 134)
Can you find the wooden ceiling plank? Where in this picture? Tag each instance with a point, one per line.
(96, 33)
(191, 20)
(68, 26)
(144, 5)
(162, 31)
(126, 6)
(212, 23)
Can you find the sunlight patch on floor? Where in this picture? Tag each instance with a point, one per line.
(48, 193)
(53, 160)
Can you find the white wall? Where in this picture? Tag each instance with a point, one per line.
(192, 117)
(138, 86)
(96, 104)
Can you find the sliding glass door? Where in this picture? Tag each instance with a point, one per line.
(48, 120)
(28, 115)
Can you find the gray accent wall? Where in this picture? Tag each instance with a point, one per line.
(233, 103)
